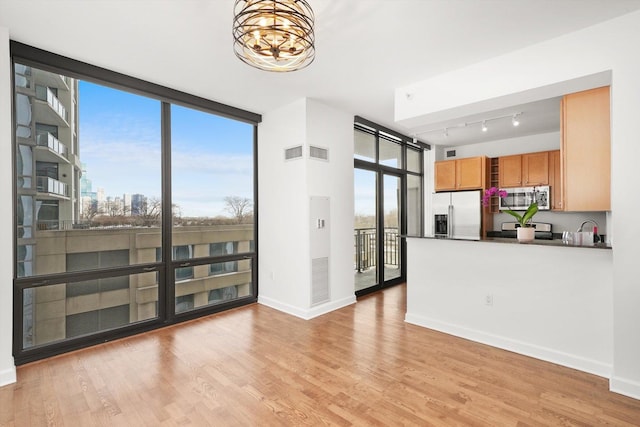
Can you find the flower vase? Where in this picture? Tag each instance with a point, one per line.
(526, 234)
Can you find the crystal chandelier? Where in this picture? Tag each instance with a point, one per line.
(274, 35)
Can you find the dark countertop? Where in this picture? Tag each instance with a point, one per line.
(513, 241)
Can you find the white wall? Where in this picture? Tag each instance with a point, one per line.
(7, 369)
(333, 129)
(284, 191)
(283, 210)
(505, 147)
(553, 303)
(536, 72)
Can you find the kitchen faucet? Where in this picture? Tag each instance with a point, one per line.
(596, 236)
(595, 224)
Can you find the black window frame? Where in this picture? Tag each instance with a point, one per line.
(388, 135)
(165, 268)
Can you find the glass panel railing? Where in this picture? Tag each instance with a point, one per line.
(55, 103)
(44, 184)
(45, 139)
(45, 94)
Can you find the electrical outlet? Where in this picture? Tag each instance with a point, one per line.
(488, 300)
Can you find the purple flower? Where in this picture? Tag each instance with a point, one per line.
(489, 193)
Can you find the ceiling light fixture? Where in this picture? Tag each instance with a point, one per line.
(274, 35)
(483, 123)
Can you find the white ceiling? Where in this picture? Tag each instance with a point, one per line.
(364, 48)
(533, 118)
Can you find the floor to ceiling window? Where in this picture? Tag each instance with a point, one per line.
(134, 205)
(212, 192)
(388, 203)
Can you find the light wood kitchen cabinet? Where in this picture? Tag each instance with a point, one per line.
(524, 170)
(445, 175)
(555, 180)
(510, 171)
(461, 174)
(586, 150)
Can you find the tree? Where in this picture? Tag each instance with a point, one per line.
(90, 211)
(150, 211)
(239, 207)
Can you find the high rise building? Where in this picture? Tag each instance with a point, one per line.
(137, 202)
(48, 167)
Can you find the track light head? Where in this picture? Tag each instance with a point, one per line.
(515, 120)
(484, 126)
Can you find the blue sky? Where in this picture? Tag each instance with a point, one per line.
(365, 192)
(119, 139)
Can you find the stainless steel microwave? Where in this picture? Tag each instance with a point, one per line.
(519, 199)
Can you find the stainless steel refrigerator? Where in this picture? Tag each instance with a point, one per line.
(457, 215)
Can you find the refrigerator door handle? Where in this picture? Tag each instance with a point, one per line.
(450, 222)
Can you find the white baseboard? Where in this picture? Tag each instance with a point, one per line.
(8, 376)
(544, 353)
(306, 313)
(626, 387)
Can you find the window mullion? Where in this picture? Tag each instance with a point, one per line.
(166, 293)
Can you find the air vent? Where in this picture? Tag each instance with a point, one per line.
(319, 280)
(318, 153)
(451, 153)
(293, 153)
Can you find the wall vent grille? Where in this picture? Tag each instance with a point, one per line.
(318, 153)
(293, 153)
(319, 280)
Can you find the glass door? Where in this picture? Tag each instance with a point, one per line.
(365, 228)
(390, 248)
(377, 227)
(388, 173)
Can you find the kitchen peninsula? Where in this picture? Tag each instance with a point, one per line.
(549, 302)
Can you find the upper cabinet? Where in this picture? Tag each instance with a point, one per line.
(524, 170)
(586, 151)
(461, 174)
(555, 180)
(445, 175)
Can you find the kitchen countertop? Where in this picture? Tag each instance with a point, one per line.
(513, 241)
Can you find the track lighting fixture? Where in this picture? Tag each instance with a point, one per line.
(483, 124)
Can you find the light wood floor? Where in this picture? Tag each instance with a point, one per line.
(361, 365)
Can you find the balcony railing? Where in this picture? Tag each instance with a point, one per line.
(52, 100)
(44, 184)
(45, 139)
(55, 103)
(366, 253)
